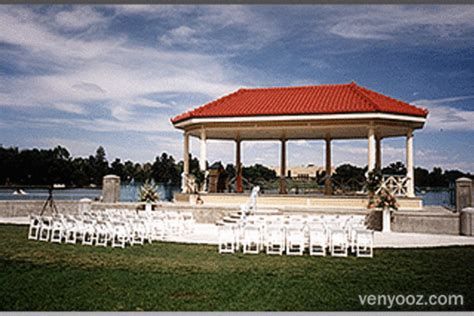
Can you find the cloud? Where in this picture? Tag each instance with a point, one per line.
(80, 17)
(442, 116)
(69, 107)
(390, 22)
(88, 87)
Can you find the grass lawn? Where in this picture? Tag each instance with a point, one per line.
(166, 276)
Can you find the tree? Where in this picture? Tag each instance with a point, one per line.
(397, 168)
(165, 170)
(257, 173)
(117, 168)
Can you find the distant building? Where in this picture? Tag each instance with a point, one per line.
(302, 172)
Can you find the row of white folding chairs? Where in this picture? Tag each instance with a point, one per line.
(330, 222)
(341, 220)
(100, 229)
(176, 223)
(294, 240)
(172, 223)
(71, 229)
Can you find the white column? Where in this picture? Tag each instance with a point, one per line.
(184, 177)
(202, 158)
(410, 165)
(371, 149)
(378, 152)
(328, 182)
(283, 167)
(186, 154)
(238, 167)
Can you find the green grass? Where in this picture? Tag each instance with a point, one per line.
(166, 276)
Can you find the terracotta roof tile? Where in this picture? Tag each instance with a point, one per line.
(321, 99)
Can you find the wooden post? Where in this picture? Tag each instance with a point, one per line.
(283, 167)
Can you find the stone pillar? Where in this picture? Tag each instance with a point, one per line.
(111, 189)
(371, 149)
(238, 167)
(283, 167)
(184, 178)
(328, 181)
(410, 165)
(463, 193)
(202, 159)
(378, 152)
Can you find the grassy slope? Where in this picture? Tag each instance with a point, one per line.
(165, 276)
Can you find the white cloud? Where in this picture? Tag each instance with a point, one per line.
(80, 17)
(389, 22)
(69, 107)
(442, 116)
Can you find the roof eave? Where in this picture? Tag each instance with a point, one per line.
(183, 123)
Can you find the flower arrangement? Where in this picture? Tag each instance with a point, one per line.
(149, 192)
(379, 197)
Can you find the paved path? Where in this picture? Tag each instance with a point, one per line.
(208, 233)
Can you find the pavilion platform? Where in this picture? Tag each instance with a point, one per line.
(299, 201)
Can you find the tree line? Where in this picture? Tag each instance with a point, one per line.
(56, 165)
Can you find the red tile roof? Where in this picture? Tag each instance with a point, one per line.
(322, 99)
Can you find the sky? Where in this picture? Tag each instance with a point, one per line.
(83, 76)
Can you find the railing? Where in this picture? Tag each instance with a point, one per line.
(395, 184)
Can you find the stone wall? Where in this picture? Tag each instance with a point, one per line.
(436, 221)
(26, 207)
(427, 222)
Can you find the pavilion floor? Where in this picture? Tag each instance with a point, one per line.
(309, 201)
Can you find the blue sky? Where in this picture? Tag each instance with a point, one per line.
(84, 76)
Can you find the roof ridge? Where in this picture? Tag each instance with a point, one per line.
(395, 100)
(297, 87)
(363, 95)
(211, 103)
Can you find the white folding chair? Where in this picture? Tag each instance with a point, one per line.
(317, 239)
(295, 241)
(158, 228)
(188, 223)
(88, 232)
(102, 234)
(138, 234)
(364, 243)
(119, 235)
(46, 226)
(71, 230)
(35, 227)
(275, 239)
(227, 239)
(57, 229)
(174, 223)
(251, 239)
(339, 242)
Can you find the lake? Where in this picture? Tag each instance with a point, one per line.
(129, 193)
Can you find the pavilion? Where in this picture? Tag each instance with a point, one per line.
(324, 112)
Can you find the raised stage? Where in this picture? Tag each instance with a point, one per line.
(302, 201)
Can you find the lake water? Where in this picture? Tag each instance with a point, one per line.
(129, 193)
